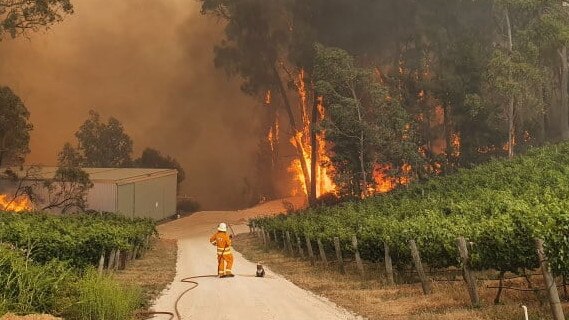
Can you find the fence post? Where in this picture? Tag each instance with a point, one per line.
(111, 264)
(309, 249)
(299, 247)
(322, 252)
(359, 261)
(339, 255)
(117, 259)
(253, 226)
(264, 237)
(136, 251)
(285, 248)
(468, 276)
(388, 265)
(101, 263)
(289, 244)
(550, 284)
(275, 237)
(268, 236)
(419, 267)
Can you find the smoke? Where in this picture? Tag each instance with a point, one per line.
(149, 64)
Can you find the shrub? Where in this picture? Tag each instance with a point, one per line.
(188, 205)
(30, 288)
(102, 298)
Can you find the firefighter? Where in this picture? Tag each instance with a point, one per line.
(224, 256)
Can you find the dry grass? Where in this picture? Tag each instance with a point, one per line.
(373, 299)
(155, 271)
(11, 316)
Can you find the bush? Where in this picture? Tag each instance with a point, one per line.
(102, 298)
(188, 205)
(31, 288)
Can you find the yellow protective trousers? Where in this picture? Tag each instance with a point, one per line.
(224, 263)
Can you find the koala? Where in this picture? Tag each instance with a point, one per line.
(260, 271)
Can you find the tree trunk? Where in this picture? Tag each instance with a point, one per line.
(314, 154)
(292, 122)
(511, 105)
(564, 103)
(361, 145)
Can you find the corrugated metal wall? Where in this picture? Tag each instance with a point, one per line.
(102, 197)
(155, 198)
(125, 199)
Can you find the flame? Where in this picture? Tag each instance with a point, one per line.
(17, 204)
(455, 140)
(268, 97)
(324, 173)
(384, 182)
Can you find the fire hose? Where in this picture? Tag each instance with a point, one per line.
(190, 280)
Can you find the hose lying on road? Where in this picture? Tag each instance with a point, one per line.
(177, 315)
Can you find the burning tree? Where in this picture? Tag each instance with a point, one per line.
(366, 124)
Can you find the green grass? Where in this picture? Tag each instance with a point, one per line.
(102, 298)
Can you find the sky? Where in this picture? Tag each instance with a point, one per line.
(148, 63)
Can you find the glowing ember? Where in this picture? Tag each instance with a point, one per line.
(268, 97)
(18, 204)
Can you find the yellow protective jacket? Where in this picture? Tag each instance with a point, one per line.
(222, 241)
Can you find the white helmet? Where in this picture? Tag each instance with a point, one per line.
(222, 227)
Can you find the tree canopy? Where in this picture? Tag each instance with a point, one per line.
(15, 128)
(101, 145)
(152, 158)
(18, 17)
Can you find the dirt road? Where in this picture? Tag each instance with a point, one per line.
(242, 297)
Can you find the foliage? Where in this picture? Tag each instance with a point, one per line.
(101, 145)
(500, 207)
(15, 127)
(78, 239)
(361, 113)
(152, 158)
(19, 17)
(100, 297)
(30, 288)
(187, 205)
(67, 191)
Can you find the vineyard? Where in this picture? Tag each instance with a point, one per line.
(500, 208)
(48, 263)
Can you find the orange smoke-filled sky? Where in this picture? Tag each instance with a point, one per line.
(148, 63)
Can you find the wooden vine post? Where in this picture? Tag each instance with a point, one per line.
(285, 248)
(299, 247)
(419, 267)
(467, 273)
(289, 243)
(550, 284)
(322, 252)
(388, 265)
(264, 237)
(275, 237)
(112, 256)
(310, 251)
(101, 263)
(359, 261)
(338, 249)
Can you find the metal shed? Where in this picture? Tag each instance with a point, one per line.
(133, 192)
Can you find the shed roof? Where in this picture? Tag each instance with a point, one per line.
(101, 175)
